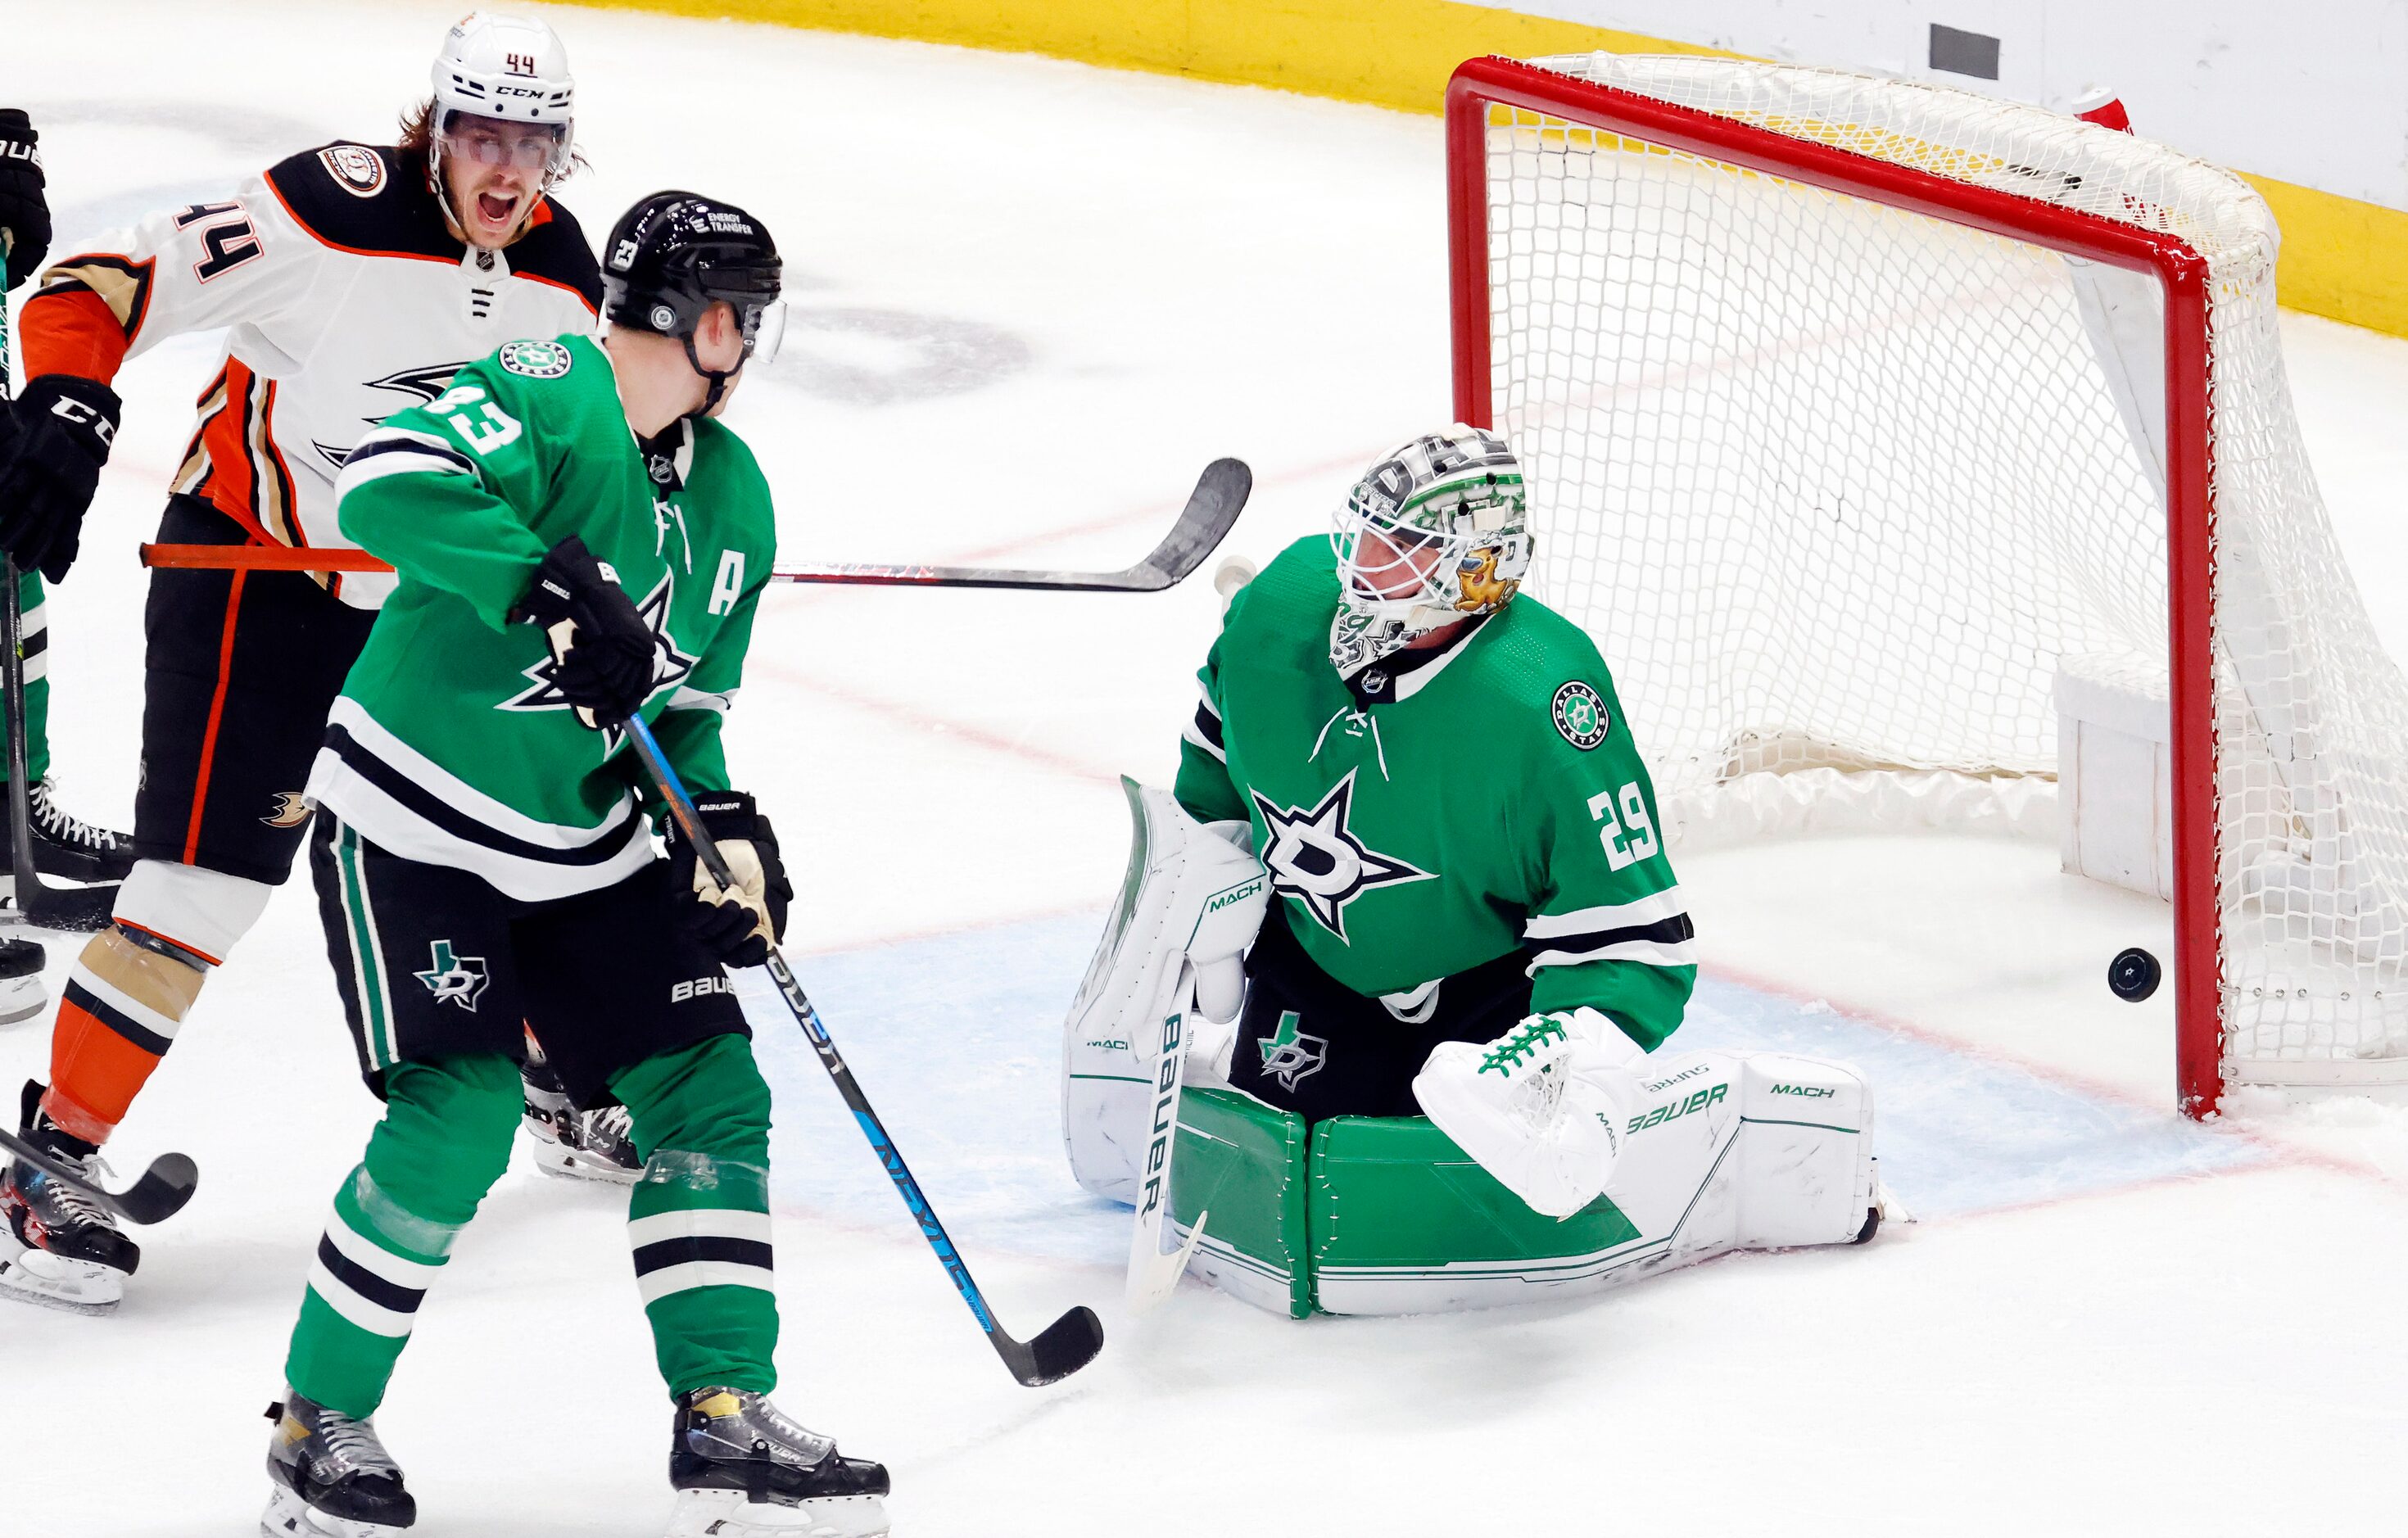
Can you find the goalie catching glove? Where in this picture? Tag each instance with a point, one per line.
(602, 651)
(1543, 1108)
(739, 927)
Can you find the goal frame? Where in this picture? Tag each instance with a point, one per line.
(2182, 274)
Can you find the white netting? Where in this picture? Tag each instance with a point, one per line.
(1836, 485)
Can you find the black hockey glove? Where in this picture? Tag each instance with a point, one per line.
(25, 209)
(601, 648)
(65, 427)
(737, 927)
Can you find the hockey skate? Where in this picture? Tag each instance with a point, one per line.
(742, 1469)
(22, 994)
(573, 1143)
(333, 1477)
(65, 845)
(59, 1249)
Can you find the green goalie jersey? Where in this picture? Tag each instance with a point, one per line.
(1443, 808)
(450, 744)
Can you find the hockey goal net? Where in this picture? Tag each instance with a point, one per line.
(1859, 412)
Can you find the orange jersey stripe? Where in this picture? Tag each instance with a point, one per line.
(233, 481)
(72, 331)
(217, 715)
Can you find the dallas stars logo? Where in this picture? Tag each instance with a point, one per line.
(1315, 858)
(1290, 1055)
(670, 666)
(455, 979)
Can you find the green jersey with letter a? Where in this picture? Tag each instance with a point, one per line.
(1443, 807)
(451, 742)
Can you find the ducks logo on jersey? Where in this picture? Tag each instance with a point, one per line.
(1315, 858)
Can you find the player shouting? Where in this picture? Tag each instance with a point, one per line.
(1473, 915)
(574, 540)
(352, 279)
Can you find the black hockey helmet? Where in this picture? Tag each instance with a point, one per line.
(674, 255)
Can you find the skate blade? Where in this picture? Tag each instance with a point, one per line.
(289, 1516)
(565, 1164)
(51, 1281)
(730, 1514)
(22, 998)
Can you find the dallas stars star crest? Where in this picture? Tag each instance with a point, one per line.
(1315, 858)
(671, 666)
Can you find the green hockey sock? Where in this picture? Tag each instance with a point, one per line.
(699, 1221)
(37, 681)
(444, 1140)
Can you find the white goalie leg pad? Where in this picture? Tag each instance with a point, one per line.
(1193, 896)
(1746, 1151)
(1807, 1136)
(205, 911)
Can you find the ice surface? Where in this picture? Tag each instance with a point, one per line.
(1033, 299)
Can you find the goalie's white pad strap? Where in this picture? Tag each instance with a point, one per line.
(1194, 893)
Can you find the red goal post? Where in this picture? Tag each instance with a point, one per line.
(1487, 98)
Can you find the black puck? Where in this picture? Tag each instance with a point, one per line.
(2135, 974)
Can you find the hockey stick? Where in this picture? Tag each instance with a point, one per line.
(161, 1193)
(1064, 1347)
(1154, 1274)
(82, 909)
(1219, 496)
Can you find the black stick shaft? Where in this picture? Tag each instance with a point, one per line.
(12, 667)
(82, 907)
(690, 824)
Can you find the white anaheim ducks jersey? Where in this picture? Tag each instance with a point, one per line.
(346, 299)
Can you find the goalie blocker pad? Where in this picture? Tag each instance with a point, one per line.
(1191, 901)
(1377, 1214)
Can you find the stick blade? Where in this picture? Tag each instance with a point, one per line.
(1220, 495)
(162, 1191)
(1153, 1278)
(1063, 1347)
(73, 909)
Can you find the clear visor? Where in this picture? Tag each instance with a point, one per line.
(490, 141)
(767, 332)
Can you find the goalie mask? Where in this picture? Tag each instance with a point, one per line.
(1437, 531)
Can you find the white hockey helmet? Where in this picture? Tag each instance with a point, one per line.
(502, 67)
(1435, 531)
(510, 69)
